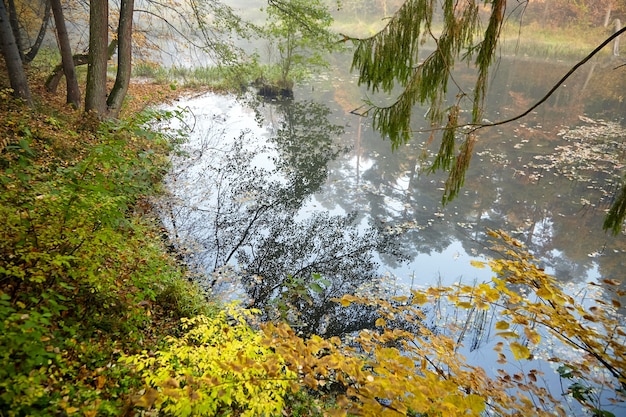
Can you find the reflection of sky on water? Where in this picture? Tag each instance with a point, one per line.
(223, 119)
(448, 266)
(351, 187)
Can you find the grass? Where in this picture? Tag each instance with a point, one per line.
(534, 40)
(211, 78)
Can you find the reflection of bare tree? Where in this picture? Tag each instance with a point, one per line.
(242, 213)
(283, 266)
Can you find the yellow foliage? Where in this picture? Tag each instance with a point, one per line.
(219, 363)
(502, 325)
(519, 351)
(477, 264)
(419, 298)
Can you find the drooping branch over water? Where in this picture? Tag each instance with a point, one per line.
(390, 61)
(390, 58)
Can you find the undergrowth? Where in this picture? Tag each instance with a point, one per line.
(84, 273)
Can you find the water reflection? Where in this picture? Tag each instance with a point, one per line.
(281, 270)
(237, 194)
(268, 200)
(512, 183)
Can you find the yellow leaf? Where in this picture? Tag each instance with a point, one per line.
(345, 303)
(477, 264)
(519, 351)
(476, 403)
(545, 293)
(419, 298)
(148, 399)
(502, 325)
(508, 335)
(492, 295)
(381, 322)
(100, 381)
(532, 335)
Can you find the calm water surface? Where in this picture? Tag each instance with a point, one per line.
(287, 205)
(546, 179)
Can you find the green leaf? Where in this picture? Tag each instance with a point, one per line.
(316, 288)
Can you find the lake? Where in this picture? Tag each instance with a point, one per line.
(287, 205)
(546, 179)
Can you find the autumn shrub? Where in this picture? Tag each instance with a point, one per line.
(532, 313)
(218, 364)
(182, 299)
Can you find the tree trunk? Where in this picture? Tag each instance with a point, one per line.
(15, 27)
(124, 58)
(32, 52)
(546, 11)
(53, 80)
(607, 15)
(73, 92)
(11, 53)
(618, 27)
(96, 89)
